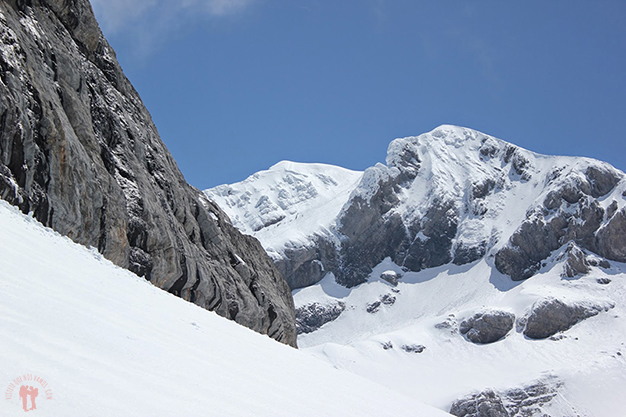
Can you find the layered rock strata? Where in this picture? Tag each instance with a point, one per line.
(79, 151)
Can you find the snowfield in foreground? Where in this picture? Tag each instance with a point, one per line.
(99, 341)
(407, 336)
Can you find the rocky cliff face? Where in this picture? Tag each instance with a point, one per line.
(454, 195)
(79, 151)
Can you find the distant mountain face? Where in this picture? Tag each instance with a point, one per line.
(453, 195)
(79, 151)
(292, 208)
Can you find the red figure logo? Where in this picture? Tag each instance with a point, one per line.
(24, 393)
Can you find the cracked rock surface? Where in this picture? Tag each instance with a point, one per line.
(79, 151)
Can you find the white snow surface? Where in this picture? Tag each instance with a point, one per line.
(590, 359)
(288, 204)
(108, 343)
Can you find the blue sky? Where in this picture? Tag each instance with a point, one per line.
(235, 86)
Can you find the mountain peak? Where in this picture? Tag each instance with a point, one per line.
(450, 195)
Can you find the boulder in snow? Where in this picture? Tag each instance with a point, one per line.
(550, 316)
(413, 348)
(391, 277)
(487, 326)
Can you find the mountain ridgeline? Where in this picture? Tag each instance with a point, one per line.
(453, 195)
(79, 151)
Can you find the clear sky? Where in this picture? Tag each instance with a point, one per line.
(235, 86)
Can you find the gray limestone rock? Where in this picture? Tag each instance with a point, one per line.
(385, 299)
(570, 213)
(373, 307)
(484, 404)
(526, 401)
(312, 316)
(449, 325)
(487, 326)
(576, 262)
(550, 316)
(610, 240)
(391, 277)
(78, 149)
(387, 345)
(307, 265)
(413, 348)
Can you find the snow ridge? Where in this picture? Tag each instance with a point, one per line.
(287, 204)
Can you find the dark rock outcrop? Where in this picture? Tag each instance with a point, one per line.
(385, 299)
(550, 316)
(487, 326)
(391, 277)
(306, 265)
(569, 213)
(79, 151)
(312, 316)
(575, 262)
(484, 404)
(413, 348)
(528, 400)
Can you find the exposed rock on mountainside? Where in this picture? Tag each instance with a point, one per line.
(529, 400)
(550, 316)
(291, 208)
(453, 195)
(79, 151)
(313, 316)
(487, 326)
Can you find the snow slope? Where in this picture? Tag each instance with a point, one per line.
(589, 360)
(287, 204)
(108, 343)
(456, 206)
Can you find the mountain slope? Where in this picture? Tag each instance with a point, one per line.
(108, 343)
(291, 208)
(413, 337)
(78, 149)
(457, 195)
(473, 275)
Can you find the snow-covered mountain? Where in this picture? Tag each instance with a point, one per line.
(467, 336)
(291, 208)
(468, 273)
(97, 340)
(450, 195)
